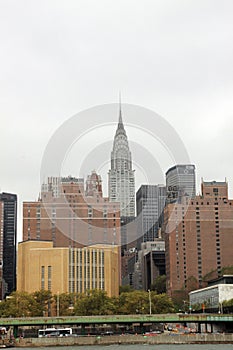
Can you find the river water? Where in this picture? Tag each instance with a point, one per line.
(144, 346)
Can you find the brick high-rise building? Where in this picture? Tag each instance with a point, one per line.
(68, 217)
(198, 237)
(8, 239)
(1, 250)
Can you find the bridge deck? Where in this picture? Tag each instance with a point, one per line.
(118, 319)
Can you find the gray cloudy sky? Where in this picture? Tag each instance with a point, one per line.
(61, 57)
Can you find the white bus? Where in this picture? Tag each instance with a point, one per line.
(54, 332)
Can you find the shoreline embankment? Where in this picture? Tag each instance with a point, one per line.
(203, 338)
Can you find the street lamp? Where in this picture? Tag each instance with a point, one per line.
(190, 307)
(220, 308)
(149, 300)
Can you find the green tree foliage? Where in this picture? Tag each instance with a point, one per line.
(44, 300)
(159, 284)
(18, 304)
(66, 303)
(192, 283)
(125, 289)
(228, 303)
(161, 303)
(94, 302)
(137, 302)
(227, 270)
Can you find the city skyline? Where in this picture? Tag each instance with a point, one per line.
(172, 58)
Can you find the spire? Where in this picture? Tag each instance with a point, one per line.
(120, 121)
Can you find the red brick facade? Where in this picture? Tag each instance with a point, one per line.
(72, 218)
(198, 238)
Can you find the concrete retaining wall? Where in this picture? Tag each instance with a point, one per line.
(127, 339)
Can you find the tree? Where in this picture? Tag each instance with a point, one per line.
(44, 302)
(192, 283)
(228, 302)
(161, 303)
(19, 304)
(159, 284)
(66, 303)
(136, 302)
(125, 289)
(94, 302)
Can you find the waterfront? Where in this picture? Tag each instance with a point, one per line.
(147, 347)
(134, 341)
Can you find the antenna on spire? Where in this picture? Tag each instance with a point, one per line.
(120, 122)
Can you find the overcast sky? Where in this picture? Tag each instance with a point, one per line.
(59, 58)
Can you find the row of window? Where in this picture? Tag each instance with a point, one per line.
(49, 281)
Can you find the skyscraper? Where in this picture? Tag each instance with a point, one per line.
(8, 237)
(180, 182)
(198, 238)
(150, 201)
(121, 180)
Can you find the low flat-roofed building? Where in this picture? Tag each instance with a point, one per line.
(67, 270)
(214, 295)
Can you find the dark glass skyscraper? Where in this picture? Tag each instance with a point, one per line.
(180, 182)
(150, 201)
(8, 240)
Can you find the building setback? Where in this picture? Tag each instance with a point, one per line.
(198, 238)
(67, 270)
(8, 239)
(150, 264)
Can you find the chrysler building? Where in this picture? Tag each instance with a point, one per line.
(121, 180)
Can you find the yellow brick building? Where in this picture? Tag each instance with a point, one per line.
(67, 270)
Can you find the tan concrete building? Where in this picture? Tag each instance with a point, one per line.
(198, 238)
(67, 270)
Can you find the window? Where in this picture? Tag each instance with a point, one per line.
(105, 212)
(90, 211)
(49, 277)
(42, 277)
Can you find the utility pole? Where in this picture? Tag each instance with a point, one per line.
(58, 304)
